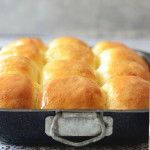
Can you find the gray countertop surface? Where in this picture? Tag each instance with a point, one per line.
(128, 18)
(141, 146)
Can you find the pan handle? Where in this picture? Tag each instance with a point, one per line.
(53, 132)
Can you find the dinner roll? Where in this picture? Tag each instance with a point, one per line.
(31, 52)
(127, 92)
(121, 62)
(105, 45)
(67, 41)
(64, 68)
(74, 92)
(17, 92)
(19, 65)
(38, 43)
(69, 74)
(120, 68)
(64, 52)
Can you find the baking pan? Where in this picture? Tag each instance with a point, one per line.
(74, 127)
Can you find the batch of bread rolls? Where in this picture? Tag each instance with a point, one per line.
(69, 74)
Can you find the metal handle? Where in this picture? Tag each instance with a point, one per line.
(56, 137)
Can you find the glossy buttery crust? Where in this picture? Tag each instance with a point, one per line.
(124, 76)
(127, 92)
(20, 67)
(64, 52)
(29, 51)
(105, 45)
(17, 91)
(71, 76)
(23, 66)
(56, 69)
(72, 93)
(27, 41)
(66, 40)
(115, 60)
(121, 61)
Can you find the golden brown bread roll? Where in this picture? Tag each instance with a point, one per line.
(64, 52)
(127, 92)
(112, 68)
(72, 93)
(68, 78)
(27, 41)
(121, 54)
(19, 65)
(105, 45)
(64, 68)
(31, 52)
(67, 41)
(121, 61)
(17, 92)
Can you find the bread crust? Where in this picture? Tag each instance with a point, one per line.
(29, 51)
(20, 65)
(70, 77)
(127, 93)
(17, 92)
(72, 93)
(39, 44)
(106, 45)
(64, 52)
(56, 69)
(67, 40)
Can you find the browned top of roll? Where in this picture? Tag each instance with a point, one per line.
(72, 93)
(105, 45)
(27, 41)
(17, 91)
(121, 54)
(19, 65)
(64, 52)
(127, 92)
(122, 68)
(64, 68)
(31, 52)
(67, 40)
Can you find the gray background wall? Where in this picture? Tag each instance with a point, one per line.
(91, 18)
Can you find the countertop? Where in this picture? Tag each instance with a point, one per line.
(141, 146)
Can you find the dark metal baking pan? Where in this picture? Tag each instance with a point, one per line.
(74, 127)
(28, 127)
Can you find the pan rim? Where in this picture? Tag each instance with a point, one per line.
(75, 111)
